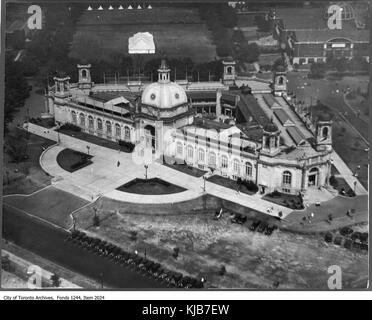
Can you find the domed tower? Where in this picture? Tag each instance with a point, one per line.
(61, 85)
(270, 140)
(280, 82)
(85, 81)
(229, 72)
(324, 133)
(164, 72)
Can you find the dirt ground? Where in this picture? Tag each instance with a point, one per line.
(11, 281)
(252, 260)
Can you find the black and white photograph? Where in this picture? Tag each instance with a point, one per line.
(185, 145)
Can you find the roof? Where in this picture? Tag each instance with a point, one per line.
(327, 35)
(271, 101)
(271, 127)
(252, 132)
(231, 98)
(105, 96)
(283, 117)
(296, 135)
(201, 94)
(249, 106)
(210, 124)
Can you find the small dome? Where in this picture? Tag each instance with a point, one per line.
(324, 117)
(164, 95)
(271, 127)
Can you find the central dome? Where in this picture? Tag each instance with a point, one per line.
(164, 94)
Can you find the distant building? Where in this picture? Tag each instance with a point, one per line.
(206, 125)
(306, 37)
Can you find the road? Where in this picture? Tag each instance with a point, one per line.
(49, 242)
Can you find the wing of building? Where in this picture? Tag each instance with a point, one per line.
(212, 126)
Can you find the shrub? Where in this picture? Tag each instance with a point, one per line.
(328, 237)
(128, 146)
(71, 127)
(222, 271)
(333, 181)
(176, 252)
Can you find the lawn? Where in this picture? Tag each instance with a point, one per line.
(287, 200)
(178, 32)
(195, 172)
(229, 183)
(252, 260)
(153, 186)
(26, 176)
(50, 204)
(71, 160)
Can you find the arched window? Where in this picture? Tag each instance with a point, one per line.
(281, 80)
(325, 132)
(287, 178)
(127, 133)
(236, 166)
(248, 169)
(74, 117)
(82, 119)
(224, 162)
(190, 152)
(201, 155)
(90, 122)
(108, 128)
(84, 73)
(229, 70)
(179, 149)
(99, 124)
(212, 160)
(117, 130)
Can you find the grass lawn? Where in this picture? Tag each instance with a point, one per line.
(178, 32)
(50, 204)
(153, 186)
(195, 172)
(71, 160)
(251, 259)
(93, 139)
(229, 183)
(287, 200)
(27, 176)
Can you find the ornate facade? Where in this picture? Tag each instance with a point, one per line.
(197, 124)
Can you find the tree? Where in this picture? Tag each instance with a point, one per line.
(263, 24)
(16, 146)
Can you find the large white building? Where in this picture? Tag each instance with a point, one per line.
(208, 125)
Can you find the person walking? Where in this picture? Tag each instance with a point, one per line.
(118, 164)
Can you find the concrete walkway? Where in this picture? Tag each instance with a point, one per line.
(103, 177)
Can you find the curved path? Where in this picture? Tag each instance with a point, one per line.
(104, 176)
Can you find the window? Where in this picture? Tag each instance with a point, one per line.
(117, 130)
(224, 162)
(99, 124)
(108, 128)
(90, 122)
(212, 159)
(84, 73)
(287, 178)
(82, 119)
(179, 149)
(74, 117)
(190, 152)
(248, 169)
(201, 155)
(127, 133)
(236, 167)
(325, 133)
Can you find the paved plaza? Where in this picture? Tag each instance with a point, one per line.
(103, 176)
